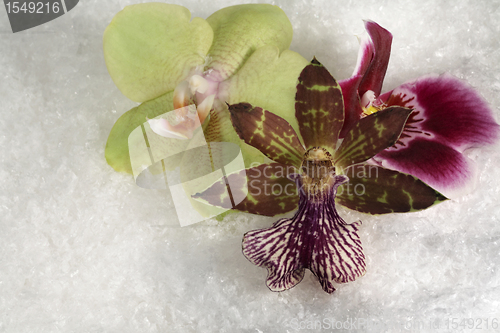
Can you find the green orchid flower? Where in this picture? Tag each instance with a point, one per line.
(158, 56)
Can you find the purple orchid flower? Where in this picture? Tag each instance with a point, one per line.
(316, 237)
(448, 118)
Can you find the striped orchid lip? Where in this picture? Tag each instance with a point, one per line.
(316, 237)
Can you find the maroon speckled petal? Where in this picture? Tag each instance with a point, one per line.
(316, 238)
(371, 135)
(319, 107)
(267, 132)
(375, 190)
(352, 106)
(270, 192)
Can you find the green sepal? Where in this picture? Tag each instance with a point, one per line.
(268, 79)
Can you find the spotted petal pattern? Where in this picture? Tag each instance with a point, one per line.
(267, 132)
(319, 107)
(370, 135)
(376, 190)
(270, 192)
(316, 238)
(448, 117)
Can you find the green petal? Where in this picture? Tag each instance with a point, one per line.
(149, 48)
(267, 132)
(268, 79)
(240, 30)
(117, 148)
(268, 191)
(370, 135)
(375, 190)
(319, 107)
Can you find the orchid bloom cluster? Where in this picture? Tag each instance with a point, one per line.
(417, 122)
(404, 148)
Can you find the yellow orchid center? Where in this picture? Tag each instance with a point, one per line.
(367, 104)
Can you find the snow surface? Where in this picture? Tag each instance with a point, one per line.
(83, 249)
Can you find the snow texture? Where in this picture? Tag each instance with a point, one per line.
(83, 249)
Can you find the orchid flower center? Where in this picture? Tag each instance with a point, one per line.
(193, 99)
(369, 103)
(197, 89)
(318, 172)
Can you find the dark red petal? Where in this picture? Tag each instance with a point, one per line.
(267, 132)
(374, 75)
(373, 59)
(319, 107)
(266, 189)
(365, 56)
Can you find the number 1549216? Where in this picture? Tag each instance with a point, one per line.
(16, 7)
(472, 323)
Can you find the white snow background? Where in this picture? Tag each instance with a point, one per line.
(83, 249)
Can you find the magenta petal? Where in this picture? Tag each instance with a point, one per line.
(373, 59)
(436, 164)
(365, 56)
(375, 73)
(447, 110)
(316, 238)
